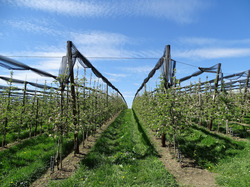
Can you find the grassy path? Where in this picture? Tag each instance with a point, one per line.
(208, 158)
(19, 165)
(122, 156)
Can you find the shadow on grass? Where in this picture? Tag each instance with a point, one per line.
(151, 149)
(105, 146)
(207, 148)
(239, 130)
(115, 145)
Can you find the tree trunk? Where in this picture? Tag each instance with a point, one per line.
(4, 132)
(163, 140)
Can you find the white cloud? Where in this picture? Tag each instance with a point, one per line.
(213, 53)
(32, 27)
(91, 43)
(141, 69)
(128, 94)
(116, 75)
(180, 11)
(212, 48)
(137, 84)
(28, 76)
(40, 60)
(48, 65)
(212, 41)
(100, 44)
(113, 77)
(99, 38)
(74, 8)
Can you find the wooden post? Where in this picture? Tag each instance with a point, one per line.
(217, 79)
(67, 110)
(84, 103)
(166, 66)
(200, 108)
(6, 117)
(61, 121)
(37, 113)
(23, 109)
(222, 83)
(101, 105)
(246, 85)
(227, 128)
(73, 94)
(166, 85)
(215, 92)
(107, 96)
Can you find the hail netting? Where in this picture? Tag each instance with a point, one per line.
(15, 65)
(167, 67)
(42, 86)
(236, 81)
(201, 70)
(65, 68)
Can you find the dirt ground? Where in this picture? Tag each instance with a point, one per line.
(186, 173)
(71, 162)
(9, 145)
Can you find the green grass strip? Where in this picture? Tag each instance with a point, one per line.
(235, 171)
(20, 165)
(223, 155)
(122, 156)
(13, 135)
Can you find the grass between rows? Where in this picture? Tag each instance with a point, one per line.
(238, 130)
(122, 156)
(12, 136)
(20, 165)
(219, 154)
(223, 155)
(235, 171)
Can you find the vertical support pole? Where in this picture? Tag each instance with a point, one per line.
(67, 109)
(107, 96)
(215, 92)
(61, 122)
(227, 128)
(23, 110)
(222, 83)
(217, 79)
(246, 85)
(37, 113)
(145, 88)
(73, 95)
(245, 97)
(6, 117)
(166, 85)
(84, 103)
(166, 66)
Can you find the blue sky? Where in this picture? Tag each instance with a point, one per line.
(200, 32)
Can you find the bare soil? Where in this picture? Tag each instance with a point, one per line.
(186, 173)
(71, 162)
(9, 145)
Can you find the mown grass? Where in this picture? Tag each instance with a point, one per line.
(219, 154)
(12, 136)
(122, 156)
(20, 165)
(238, 130)
(235, 171)
(207, 148)
(225, 156)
